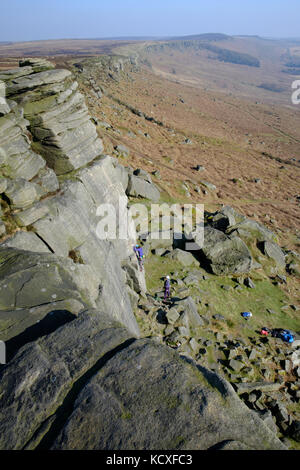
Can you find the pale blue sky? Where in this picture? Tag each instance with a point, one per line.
(24, 20)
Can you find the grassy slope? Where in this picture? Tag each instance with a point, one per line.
(200, 67)
(228, 137)
(231, 303)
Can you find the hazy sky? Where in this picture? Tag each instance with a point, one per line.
(25, 20)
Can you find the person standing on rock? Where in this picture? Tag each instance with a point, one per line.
(167, 287)
(140, 255)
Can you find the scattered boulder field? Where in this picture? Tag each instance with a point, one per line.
(211, 285)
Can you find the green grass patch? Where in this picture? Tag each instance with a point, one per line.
(157, 267)
(229, 303)
(232, 303)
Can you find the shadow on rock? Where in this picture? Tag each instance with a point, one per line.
(52, 321)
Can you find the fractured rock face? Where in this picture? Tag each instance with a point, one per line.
(22, 193)
(36, 282)
(58, 116)
(65, 222)
(38, 379)
(139, 187)
(68, 222)
(16, 157)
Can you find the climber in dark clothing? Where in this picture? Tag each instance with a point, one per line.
(140, 255)
(167, 286)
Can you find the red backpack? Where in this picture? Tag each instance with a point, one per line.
(265, 331)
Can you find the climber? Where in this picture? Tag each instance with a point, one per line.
(140, 255)
(167, 288)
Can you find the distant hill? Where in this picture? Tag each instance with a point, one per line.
(221, 54)
(249, 66)
(203, 37)
(215, 61)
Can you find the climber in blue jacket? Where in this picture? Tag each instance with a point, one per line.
(140, 255)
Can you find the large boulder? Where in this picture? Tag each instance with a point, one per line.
(39, 381)
(224, 255)
(225, 218)
(139, 187)
(190, 317)
(183, 257)
(274, 252)
(147, 397)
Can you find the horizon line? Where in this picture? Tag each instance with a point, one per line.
(146, 37)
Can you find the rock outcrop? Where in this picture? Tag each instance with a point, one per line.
(131, 394)
(77, 375)
(58, 116)
(62, 218)
(147, 397)
(33, 284)
(141, 187)
(37, 381)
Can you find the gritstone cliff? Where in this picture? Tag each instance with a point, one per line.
(78, 376)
